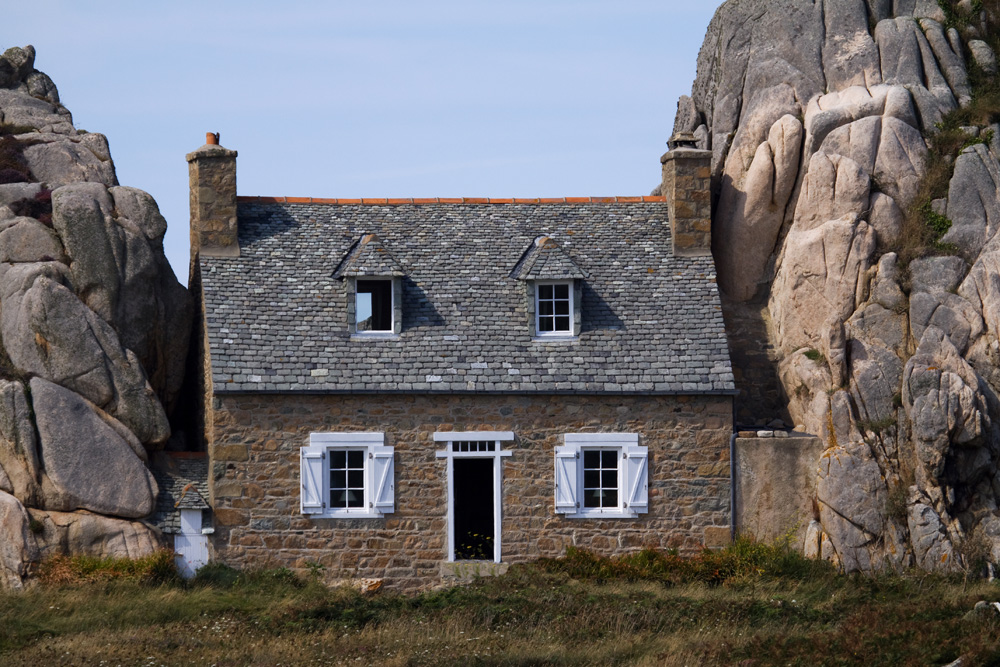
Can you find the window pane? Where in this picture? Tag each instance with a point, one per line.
(338, 479)
(338, 458)
(609, 459)
(610, 499)
(355, 459)
(355, 499)
(562, 307)
(544, 308)
(338, 499)
(546, 324)
(562, 324)
(356, 479)
(545, 291)
(592, 498)
(561, 291)
(373, 306)
(591, 458)
(591, 479)
(609, 479)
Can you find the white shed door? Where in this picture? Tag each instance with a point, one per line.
(190, 547)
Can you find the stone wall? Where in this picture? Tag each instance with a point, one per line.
(776, 485)
(254, 443)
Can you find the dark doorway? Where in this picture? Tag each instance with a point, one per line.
(473, 509)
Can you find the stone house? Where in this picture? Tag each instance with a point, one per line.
(418, 389)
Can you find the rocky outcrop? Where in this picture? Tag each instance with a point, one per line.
(94, 329)
(820, 117)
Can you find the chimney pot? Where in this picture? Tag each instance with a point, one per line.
(212, 138)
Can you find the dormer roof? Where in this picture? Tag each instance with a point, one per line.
(545, 259)
(369, 257)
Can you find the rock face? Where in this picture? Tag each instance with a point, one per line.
(819, 116)
(94, 329)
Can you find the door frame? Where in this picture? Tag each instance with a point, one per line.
(450, 453)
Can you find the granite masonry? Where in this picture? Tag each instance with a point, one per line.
(255, 479)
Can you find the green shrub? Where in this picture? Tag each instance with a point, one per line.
(744, 558)
(814, 355)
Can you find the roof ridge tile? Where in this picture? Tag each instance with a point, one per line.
(399, 201)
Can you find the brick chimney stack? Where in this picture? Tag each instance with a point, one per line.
(212, 180)
(687, 185)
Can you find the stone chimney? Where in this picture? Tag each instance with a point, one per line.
(212, 180)
(687, 185)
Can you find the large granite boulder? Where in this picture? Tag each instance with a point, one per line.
(890, 356)
(95, 535)
(89, 462)
(17, 548)
(93, 320)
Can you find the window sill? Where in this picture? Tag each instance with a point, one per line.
(375, 335)
(563, 339)
(611, 514)
(346, 515)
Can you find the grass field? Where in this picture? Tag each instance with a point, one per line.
(746, 606)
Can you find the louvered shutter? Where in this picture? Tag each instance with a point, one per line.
(383, 486)
(637, 479)
(567, 465)
(312, 470)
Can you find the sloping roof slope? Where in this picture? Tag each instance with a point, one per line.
(182, 479)
(276, 315)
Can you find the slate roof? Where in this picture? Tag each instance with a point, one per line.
(369, 257)
(546, 260)
(183, 482)
(277, 316)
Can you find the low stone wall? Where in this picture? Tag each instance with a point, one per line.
(776, 485)
(254, 443)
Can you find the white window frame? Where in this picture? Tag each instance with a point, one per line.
(633, 475)
(379, 493)
(498, 454)
(561, 333)
(376, 333)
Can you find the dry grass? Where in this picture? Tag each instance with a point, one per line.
(771, 608)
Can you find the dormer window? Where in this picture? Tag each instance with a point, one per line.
(373, 305)
(553, 285)
(554, 308)
(374, 286)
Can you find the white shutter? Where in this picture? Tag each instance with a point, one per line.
(637, 479)
(567, 465)
(383, 491)
(313, 471)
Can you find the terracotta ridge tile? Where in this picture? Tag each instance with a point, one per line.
(398, 201)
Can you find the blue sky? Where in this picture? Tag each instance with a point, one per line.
(440, 98)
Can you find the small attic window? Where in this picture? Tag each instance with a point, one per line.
(554, 308)
(553, 285)
(373, 306)
(374, 288)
